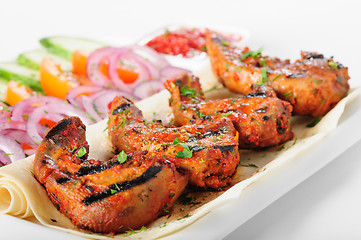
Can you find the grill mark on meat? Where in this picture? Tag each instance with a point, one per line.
(226, 148)
(58, 128)
(299, 75)
(121, 108)
(63, 180)
(88, 170)
(197, 148)
(123, 186)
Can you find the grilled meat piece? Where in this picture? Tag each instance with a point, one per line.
(261, 118)
(312, 84)
(207, 152)
(123, 193)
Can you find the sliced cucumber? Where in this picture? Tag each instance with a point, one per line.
(65, 46)
(17, 72)
(3, 88)
(33, 59)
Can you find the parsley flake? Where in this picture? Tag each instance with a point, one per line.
(81, 152)
(189, 92)
(186, 153)
(227, 114)
(333, 65)
(314, 122)
(122, 157)
(253, 54)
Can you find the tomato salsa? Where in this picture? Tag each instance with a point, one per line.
(187, 42)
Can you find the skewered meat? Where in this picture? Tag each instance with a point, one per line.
(123, 193)
(312, 84)
(261, 118)
(208, 152)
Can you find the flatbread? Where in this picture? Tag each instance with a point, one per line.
(23, 197)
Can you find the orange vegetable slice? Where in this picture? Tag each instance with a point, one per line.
(53, 81)
(17, 92)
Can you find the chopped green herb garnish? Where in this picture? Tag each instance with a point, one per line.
(6, 154)
(281, 148)
(264, 79)
(263, 62)
(211, 89)
(287, 94)
(186, 153)
(53, 220)
(227, 114)
(122, 157)
(225, 43)
(189, 92)
(186, 216)
(249, 165)
(253, 54)
(316, 81)
(72, 149)
(314, 122)
(81, 152)
(122, 123)
(333, 65)
(131, 231)
(279, 75)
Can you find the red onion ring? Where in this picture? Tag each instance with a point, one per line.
(51, 111)
(157, 59)
(93, 65)
(11, 150)
(25, 107)
(89, 108)
(9, 123)
(170, 72)
(101, 100)
(147, 89)
(73, 94)
(135, 60)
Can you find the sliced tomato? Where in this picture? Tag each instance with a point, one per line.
(47, 122)
(26, 146)
(104, 68)
(53, 81)
(79, 60)
(17, 92)
(127, 75)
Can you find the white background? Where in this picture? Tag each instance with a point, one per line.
(326, 205)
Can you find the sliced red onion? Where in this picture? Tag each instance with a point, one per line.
(89, 107)
(170, 72)
(93, 65)
(73, 95)
(157, 59)
(50, 111)
(11, 150)
(101, 100)
(25, 107)
(148, 88)
(9, 123)
(135, 60)
(20, 136)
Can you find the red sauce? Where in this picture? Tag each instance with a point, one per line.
(185, 42)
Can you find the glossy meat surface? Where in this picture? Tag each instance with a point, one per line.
(312, 84)
(261, 118)
(123, 193)
(208, 152)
